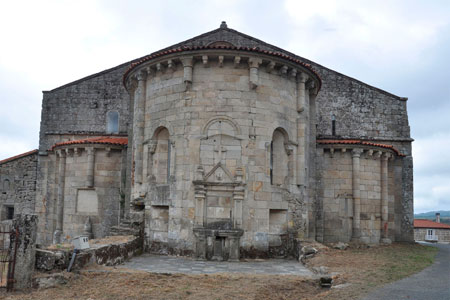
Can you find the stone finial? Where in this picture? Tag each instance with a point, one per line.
(199, 174)
(223, 24)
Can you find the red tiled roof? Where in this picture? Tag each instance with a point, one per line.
(220, 47)
(119, 141)
(359, 142)
(18, 156)
(421, 223)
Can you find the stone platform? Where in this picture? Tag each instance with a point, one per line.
(184, 265)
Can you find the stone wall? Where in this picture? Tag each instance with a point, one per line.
(86, 198)
(220, 119)
(81, 107)
(442, 234)
(18, 185)
(336, 196)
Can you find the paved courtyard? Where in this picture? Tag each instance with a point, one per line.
(184, 265)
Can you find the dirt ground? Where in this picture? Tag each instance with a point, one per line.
(355, 272)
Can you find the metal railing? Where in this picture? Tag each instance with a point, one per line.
(8, 256)
(431, 237)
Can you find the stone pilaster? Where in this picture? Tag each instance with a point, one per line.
(254, 66)
(200, 198)
(138, 126)
(302, 122)
(90, 167)
(356, 232)
(60, 197)
(188, 63)
(384, 198)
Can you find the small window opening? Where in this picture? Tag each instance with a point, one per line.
(112, 122)
(6, 186)
(9, 212)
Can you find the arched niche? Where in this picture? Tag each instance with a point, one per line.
(220, 144)
(279, 157)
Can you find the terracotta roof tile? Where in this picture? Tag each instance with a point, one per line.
(18, 156)
(360, 142)
(421, 223)
(220, 47)
(119, 141)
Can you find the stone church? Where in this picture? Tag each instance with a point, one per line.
(226, 147)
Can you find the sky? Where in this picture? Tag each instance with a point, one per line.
(402, 47)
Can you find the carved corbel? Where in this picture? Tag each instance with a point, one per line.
(293, 73)
(220, 61)
(378, 154)
(283, 70)
(171, 65)
(331, 152)
(108, 151)
(205, 60)
(254, 65)
(311, 86)
(237, 61)
(159, 67)
(270, 67)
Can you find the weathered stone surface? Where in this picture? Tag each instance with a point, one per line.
(49, 281)
(50, 260)
(26, 250)
(18, 185)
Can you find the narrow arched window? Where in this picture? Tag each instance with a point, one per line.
(161, 158)
(6, 185)
(112, 122)
(279, 158)
(333, 125)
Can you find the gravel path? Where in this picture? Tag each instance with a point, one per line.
(433, 283)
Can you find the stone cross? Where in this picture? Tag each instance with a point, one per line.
(220, 151)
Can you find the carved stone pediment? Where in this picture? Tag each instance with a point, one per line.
(219, 174)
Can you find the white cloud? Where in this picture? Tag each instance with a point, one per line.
(377, 34)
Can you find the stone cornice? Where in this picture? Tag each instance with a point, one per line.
(284, 63)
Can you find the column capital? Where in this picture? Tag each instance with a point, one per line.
(90, 150)
(386, 156)
(254, 62)
(61, 153)
(356, 152)
(141, 75)
(303, 77)
(187, 61)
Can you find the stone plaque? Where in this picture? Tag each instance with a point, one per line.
(87, 202)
